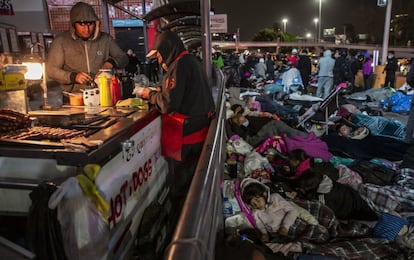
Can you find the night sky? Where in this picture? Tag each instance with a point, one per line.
(253, 16)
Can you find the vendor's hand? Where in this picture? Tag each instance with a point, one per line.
(83, 78)
(144, 92)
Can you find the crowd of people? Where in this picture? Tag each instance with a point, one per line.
(331, 67)
(299, 193)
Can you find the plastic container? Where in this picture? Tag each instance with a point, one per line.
(76, 99)
(227, 208)
(91, 99)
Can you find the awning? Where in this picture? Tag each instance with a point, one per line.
(181, 17)
(173, 11)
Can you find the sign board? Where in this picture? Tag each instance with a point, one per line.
(218, 23)
(127, 23)
(6, 8)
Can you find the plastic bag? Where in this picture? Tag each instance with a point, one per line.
(85, 232)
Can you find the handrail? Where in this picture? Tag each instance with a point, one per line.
(201, 217)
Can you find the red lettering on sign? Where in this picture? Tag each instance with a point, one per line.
(138, 178)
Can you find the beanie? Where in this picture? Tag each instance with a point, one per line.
(82, 12)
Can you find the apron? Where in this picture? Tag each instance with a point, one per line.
(173, 138)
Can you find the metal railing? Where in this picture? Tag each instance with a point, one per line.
(201, 217)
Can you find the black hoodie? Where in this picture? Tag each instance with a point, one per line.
(185, 88)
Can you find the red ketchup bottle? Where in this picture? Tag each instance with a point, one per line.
(115, 89)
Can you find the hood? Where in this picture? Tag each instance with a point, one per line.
(169, 46)
(82, 12)
(245, 182)
(327, 53)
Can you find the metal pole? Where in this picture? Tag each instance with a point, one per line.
(237, 40)
(385, 39)
(320, 21)
(144, 12)
(206, 34)
(105, 16)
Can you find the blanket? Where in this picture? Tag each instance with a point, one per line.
(368, 148)
(380, 126)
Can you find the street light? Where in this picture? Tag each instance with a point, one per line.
(320, 20)
(284, 21)
(316, 20)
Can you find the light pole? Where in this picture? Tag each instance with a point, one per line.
(320, 20)
(284, 21)
(316, 20)
(385, 39)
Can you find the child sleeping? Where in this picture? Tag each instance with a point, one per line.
(272, 213)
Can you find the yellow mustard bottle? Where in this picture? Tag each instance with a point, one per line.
(105, 91)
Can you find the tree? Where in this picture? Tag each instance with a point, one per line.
(265, 35)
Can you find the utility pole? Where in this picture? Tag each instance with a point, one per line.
(385, 40)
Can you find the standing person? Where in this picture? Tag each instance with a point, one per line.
(292, 58)
(342, 68)
(325, 74)
(270, 67)
(390, 69)
(260, 69)
(133, 63)
(304, 65)
(186, 105)
(76, 55)
(218, 60)
(367, 70)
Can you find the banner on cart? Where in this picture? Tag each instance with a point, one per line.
(131, 181)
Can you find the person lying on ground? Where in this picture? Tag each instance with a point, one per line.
(255, 130)
(344, 201)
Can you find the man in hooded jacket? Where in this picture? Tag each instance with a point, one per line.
(77, 55)
(186, 105)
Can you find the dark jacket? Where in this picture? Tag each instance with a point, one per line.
(344, 201)
(304, 66)
(342, 71)
(185, 87)
(391, 66)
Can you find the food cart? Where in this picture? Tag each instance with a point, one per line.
(58, 142)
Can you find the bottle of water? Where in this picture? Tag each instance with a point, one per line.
(227, 208)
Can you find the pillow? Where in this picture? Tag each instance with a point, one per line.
(389, 226)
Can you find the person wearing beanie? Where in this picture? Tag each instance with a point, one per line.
(76, 55)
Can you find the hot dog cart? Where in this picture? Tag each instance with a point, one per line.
(125, 142)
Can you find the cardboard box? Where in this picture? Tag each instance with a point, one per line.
(12, 77)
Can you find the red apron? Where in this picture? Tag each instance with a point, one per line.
(172, 138)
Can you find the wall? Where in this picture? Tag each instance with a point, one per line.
(30, 16)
